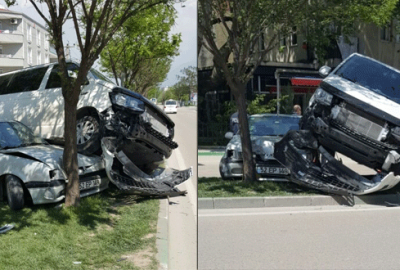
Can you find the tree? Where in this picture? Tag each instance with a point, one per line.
(140, 53)
(95, 22)
(244, 24)
(187, 84)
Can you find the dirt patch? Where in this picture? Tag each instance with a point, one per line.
(142, 258)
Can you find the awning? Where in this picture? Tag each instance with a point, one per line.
(304, 81)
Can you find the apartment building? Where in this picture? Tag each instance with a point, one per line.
(292, 53)
(23, 42)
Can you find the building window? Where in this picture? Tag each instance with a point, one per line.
(29, 33)
(293, 36)
(1, 49)
(30, 56)
(1, 71)
(261, 44)
(38, 38)
(385, 33)
(282, 40)
(46, 59)
(46, 41)
(1, 26)
(39, 58)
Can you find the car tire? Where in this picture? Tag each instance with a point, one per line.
(14, 192)
(222, 174)
(88, 135)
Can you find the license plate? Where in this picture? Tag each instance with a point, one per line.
(272, 170)
(89, 184)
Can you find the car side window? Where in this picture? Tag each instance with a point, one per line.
(28, 80)
(4, 83)
(55, 79)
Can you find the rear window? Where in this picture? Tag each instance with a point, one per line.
(372, 75)
(170, 102)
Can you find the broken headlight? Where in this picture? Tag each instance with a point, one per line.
(322, 97)
(127, 102)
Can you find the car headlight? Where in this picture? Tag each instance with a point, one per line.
(127, 102)
(322, 97)
(57, 175)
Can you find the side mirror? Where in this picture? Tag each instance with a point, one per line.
(72, 74)
(324, 71)
(229, 135)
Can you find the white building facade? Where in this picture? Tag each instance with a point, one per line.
(23, 42)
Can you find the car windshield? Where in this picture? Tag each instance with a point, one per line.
(170, 102)
(372, 75)
(99, 76)
(270, 125)
(14, 135)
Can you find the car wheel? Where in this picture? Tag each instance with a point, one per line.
(88, 135)
(15, 192)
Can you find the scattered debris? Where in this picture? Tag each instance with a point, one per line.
(6, 228)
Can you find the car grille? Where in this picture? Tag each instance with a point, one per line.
(350, 118)
(157, 123)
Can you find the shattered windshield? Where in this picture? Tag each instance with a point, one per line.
(372, 75)
(13, 135)
(272, 125)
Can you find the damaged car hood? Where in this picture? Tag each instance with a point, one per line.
(360, 93)
(260, 144)
(50, 155)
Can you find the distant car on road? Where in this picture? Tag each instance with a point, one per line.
(171, 106)
(31, 169)
(265, 130)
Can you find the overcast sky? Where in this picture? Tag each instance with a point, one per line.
(186, 24)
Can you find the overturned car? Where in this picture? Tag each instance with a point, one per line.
(355, 112)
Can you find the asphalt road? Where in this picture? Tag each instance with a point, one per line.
(180, 213)
(361, 237)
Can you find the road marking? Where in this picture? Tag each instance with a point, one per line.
(189, 184)
(297, 212)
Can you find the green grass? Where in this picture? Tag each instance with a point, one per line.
(102, 233)
(216, 187)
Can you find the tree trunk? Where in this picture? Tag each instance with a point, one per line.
(70, 157)
(249, 170)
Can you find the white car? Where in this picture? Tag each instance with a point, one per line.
(33, 97)
(31, 170)
(171, 106)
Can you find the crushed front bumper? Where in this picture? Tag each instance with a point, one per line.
(328, 175)
(129, 178)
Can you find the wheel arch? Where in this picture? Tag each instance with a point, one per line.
(3, 192)
(87, 111)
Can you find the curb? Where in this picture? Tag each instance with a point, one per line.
(293, 201)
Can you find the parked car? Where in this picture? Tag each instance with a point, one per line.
(265, 131)
(33, 96)
(31, 169)
(355, 112)
(171, 106)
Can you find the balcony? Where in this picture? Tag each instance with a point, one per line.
(11, 37)
(7, 60)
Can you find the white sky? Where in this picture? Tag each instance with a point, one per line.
(186, 24)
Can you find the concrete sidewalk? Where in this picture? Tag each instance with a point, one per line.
(292, 201)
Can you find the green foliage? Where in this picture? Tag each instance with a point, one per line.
(187, 83)
(141, 53)
(98, 233)
(216, 187)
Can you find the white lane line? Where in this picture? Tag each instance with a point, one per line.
(188, 183)
(294, 212)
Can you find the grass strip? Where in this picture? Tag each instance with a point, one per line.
(216, 187)
(107, 231)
